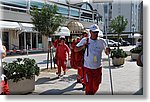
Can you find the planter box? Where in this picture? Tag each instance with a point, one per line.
(22, 86)
(134, 56)
(118, 61)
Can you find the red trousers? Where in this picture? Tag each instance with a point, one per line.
(61, 63)
(80, 75)
(4, 88)
(92, 80)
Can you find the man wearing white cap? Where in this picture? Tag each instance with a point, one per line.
(92, 59)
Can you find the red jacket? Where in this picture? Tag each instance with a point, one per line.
(61, 52)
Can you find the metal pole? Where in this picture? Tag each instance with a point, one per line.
(48, 55)
(27, 49)
(51, 54)
(106, 23)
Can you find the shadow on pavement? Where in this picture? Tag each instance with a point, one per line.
(59, 91)
(44, 62)
(113, 67)
(130, 60)
(44, 80)
(68, 79)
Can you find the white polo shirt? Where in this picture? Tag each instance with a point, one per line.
(95, 48)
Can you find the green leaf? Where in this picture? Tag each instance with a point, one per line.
(46, 21)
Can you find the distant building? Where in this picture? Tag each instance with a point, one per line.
(132, 10)
(16, 21)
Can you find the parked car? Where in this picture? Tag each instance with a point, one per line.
(124, 43)
(112, 43)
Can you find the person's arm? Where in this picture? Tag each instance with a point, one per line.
(4, 52)
(81, 45)
(106, 48)
(68, 51)
(56, 52)
(77, 49)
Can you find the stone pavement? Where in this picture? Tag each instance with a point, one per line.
(127, 80)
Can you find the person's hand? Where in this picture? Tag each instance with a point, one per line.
(107, 50)
(69, 58)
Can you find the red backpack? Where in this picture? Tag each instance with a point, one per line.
(79, 57)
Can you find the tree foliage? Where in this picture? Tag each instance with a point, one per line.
(118, 24)
(46, 20)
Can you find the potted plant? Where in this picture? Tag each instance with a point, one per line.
(21, 75)
(118, 25)
(118, 56)
(135, 52)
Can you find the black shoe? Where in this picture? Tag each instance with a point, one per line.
(64, 73)
(58, 73)
(83, 86)
(78, 80)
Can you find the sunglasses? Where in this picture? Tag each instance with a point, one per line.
(96, 32)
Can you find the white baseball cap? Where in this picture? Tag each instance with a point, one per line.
(94, 28)
(62, 37)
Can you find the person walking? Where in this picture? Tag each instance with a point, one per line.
(139, 42)
(61, 55)
(4, 89)
(79, 59)
(92, 59)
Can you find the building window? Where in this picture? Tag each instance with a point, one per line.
(86, 7)
(36, 4)
(62, 10)
(5, 39)
(74, 12)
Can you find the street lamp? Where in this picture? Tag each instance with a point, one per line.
(97, 18)
(133, 28)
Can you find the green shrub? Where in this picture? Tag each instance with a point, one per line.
(136, 49)
(21, 68)
(118, 53)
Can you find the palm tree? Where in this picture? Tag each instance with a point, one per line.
(118, 25)
(46, 22)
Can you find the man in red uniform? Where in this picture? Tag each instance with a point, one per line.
(79, 60)
(92, 59)
(61, 55)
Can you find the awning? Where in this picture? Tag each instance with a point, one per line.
(62, 31)
(27, 27)
(136, 35)
(9, 25)
(75, 27)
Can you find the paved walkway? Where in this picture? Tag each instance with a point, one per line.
(127, 80)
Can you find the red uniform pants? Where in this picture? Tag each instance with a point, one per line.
(80, 75)
(4, 88)
(92, 80)
(61, 63)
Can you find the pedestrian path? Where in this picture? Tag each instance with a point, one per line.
(127, 80)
